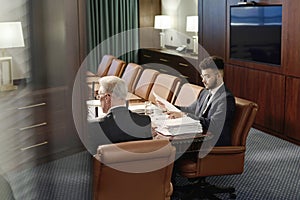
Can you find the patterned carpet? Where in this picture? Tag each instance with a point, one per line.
(271, 172)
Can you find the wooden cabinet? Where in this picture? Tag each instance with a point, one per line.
(37, 121)
(274, 89)
(171, 62)
(33, 127)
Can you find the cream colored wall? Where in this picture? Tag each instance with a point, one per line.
(11, 11)
(179, 10)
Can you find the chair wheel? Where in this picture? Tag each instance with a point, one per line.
(232, 196)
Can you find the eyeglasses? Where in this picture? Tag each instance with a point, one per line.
(207, 76)
(101, 95)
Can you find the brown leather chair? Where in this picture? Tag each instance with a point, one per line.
(131, 75)
(102, 70)
(145, 83)
(165, 86)
(116, 68)
(188, 93)
(104, 65)
(221, 160)
(134, 170)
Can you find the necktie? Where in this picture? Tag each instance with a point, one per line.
(205, 104)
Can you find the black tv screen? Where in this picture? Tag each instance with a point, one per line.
(255, 33)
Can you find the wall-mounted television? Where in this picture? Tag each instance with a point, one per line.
(255, 33)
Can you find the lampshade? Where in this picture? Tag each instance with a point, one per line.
(162, 22)
(192, 23)
(11, 35)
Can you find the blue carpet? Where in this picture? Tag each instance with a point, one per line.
(63, 179)
(271, 172)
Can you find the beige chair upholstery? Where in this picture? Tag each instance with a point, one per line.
(131, 75)
(188, 93)
(116, 68)
(223, 160)
(103, 68)
(104, 65)
(165, 86)
(150, 164)
(145, 83)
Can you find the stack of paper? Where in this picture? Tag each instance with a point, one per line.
(179, 126)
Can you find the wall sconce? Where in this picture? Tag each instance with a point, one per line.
(162, 22)
(11, 36)
(192, 26)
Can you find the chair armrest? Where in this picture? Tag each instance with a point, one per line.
(228, 150)
(170, 192)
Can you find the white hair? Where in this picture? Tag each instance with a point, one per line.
(114, 85)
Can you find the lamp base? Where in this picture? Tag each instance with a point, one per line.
(8, 87)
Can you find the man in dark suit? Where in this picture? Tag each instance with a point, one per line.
(119, 124)
(215, 106)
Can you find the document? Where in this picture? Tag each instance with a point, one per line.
(169, 106)
(178, 126)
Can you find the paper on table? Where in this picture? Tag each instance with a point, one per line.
(183, 121)
(167, 132)
(169, 106)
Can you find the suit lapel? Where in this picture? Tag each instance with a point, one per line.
(213, 99)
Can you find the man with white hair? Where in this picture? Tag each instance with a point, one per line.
(120, 124)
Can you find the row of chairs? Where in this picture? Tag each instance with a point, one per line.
(231, 158)
(145, 82)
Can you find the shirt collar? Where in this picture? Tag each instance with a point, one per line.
(114, 107)
(213, 91)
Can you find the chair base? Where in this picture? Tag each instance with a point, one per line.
(201, 190)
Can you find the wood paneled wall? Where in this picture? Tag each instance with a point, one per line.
(274, 89)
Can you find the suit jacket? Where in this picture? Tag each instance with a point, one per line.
(119, 125)
(219, 115)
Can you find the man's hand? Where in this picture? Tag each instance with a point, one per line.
(161, 105)
(174, 115)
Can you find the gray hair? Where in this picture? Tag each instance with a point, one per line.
(114, 85)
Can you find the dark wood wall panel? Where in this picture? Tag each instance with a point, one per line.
(291, 41)
(212, 27)
(263, 88)
(149, 37)
(292, 127)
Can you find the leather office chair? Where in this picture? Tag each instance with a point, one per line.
(188, 93)
(102, 70)
(145, 83)
(149, 164)
(165, 86)
(104, 65)
(221, 160)
(116, 68)
(131, 75)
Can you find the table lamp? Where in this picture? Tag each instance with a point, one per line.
(162, 22)
(11, 36)
(192, 26)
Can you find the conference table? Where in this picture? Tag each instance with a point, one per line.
(184, 142)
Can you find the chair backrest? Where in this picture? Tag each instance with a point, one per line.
(165, 86)
(116, 68)
(145, 83)
(150, 164)
(243, 120)
(188, 93)
(104, 65)
(131, 74)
